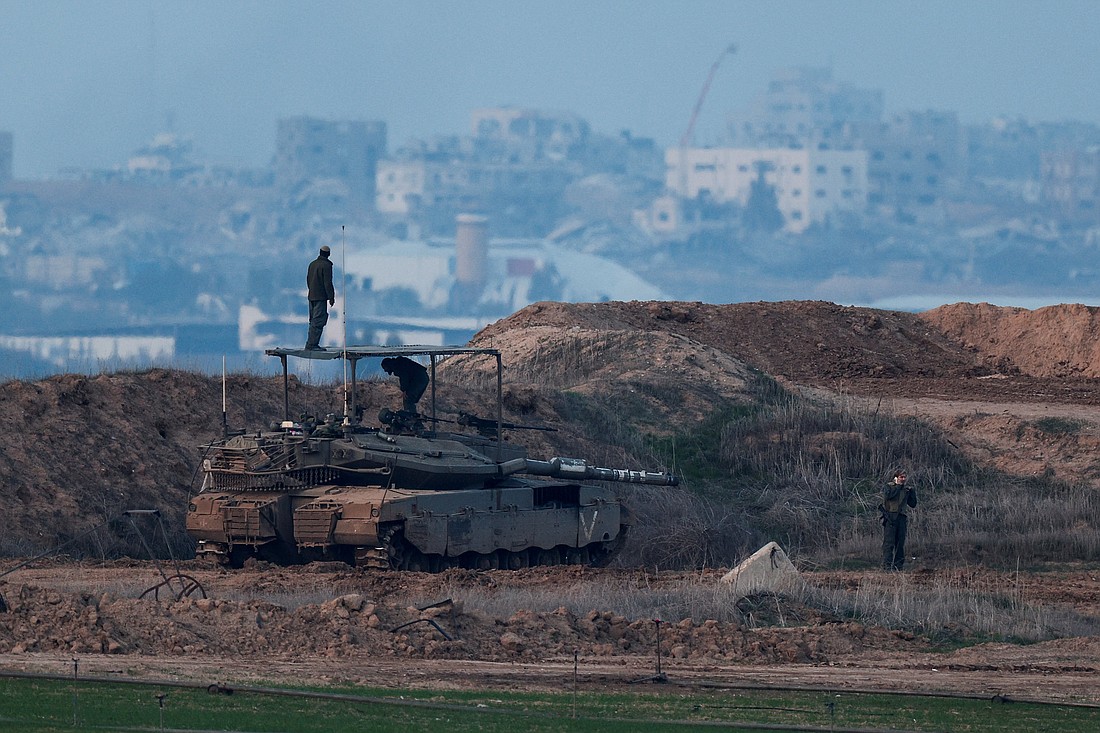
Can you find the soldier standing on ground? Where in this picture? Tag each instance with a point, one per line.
(413, 376)
(895, 498)
(319, 281)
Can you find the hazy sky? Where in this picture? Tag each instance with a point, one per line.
(85, 83)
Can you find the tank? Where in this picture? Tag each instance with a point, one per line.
(404, 494)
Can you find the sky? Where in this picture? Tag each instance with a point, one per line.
(84, 84)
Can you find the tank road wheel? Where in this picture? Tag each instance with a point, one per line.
(490, 561)
(601, 553)
(414, 560)
(547, 557)
(576, 556)
(518, 560)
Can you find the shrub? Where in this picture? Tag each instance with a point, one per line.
(1058, 425)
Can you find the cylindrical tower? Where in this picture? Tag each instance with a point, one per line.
(471, 251)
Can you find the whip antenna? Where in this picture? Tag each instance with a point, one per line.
(225, 420)
(344, 315)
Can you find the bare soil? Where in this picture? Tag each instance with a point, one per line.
(78, 449)
(371, 631)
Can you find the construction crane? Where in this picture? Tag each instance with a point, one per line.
(685, 141)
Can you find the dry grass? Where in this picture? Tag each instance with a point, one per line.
(809, 474)
(634, 597)
(948, 611)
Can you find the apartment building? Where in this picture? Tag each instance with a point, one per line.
(307, 148)
(912, 158)
(803, 107)
(1070, 184)
(811, 186)
(521, 134)
(526, 198)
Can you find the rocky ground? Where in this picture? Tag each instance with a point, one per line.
(78, 449)
(331, 624)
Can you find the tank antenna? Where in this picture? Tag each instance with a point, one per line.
(344, 315)
(225, 419)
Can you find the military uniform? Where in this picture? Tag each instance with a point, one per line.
(321, 293)
(895, 498)
(413, 379)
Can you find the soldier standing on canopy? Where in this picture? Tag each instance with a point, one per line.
(319, 281)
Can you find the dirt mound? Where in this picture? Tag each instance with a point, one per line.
(856, 350)
(657, 376)
(802, 341)
(81, 449)
(1012, 403)
(1057, 341)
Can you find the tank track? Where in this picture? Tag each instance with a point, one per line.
(394, 553)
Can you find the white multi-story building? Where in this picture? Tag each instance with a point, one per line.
(811, 186)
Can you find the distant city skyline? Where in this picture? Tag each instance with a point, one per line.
(85, 84)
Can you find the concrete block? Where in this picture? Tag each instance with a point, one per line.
(767, 569)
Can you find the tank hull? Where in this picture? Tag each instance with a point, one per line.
(516, 524)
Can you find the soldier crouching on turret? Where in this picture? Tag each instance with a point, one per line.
(413, 379)
(896, 496)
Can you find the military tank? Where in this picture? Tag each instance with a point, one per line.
(404, 494)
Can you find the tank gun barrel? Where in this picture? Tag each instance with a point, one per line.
(578, 468)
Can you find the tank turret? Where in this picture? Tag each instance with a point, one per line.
(403, 495)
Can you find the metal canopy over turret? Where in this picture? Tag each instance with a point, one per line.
(359, 352)
(354, 353)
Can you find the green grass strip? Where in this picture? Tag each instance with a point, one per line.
(40, 704)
